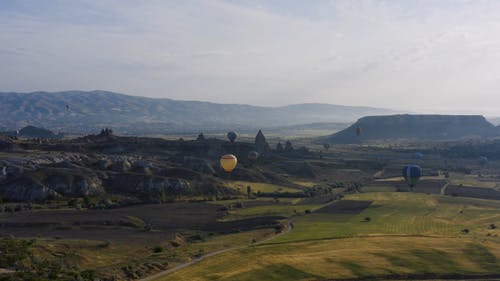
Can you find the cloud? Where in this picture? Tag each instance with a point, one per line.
(405, 54)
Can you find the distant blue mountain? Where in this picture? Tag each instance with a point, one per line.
(84, 112)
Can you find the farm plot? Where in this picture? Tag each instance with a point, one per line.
(474, 192)
(397, 235)
(142, 224)
(425, 185)
(399, 213)
(401, 257)
(260, 187)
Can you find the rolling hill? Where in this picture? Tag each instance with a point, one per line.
(415, 127)
(84, 112)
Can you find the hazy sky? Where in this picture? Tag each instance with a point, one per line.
(435, 54)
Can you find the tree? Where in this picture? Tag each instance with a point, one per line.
(249, 191)
(326, 146)
(288, 146)
(157, 249)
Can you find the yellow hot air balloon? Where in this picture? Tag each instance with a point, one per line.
(228, 162)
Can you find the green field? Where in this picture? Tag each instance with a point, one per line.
(259, 186)
(397, 213)
(407, 234)
(285, 210)
(471, 181)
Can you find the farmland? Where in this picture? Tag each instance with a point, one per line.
(165, 207)
(407, 235)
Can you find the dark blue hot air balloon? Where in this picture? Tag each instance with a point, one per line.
(418, 155)
(253, 155)
(483, 160)
(232, 136)
(412, 174)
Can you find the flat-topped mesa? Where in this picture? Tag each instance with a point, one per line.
(415, 127)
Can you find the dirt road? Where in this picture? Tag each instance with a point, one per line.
(197, 260)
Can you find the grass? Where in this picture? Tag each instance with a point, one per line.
(378, 188)
(259, 186)
(89, 254)
(285, 210)
(108, 258)
(398, 213)
(408, 234)
(342, 258)
(263, 200)
(398, 179)
(305, 183)
(470, 181)
(274, 272)
(486, 260)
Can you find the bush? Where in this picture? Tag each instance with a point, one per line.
(14, 252)
(158, 249)
(88, 274)
(105, 244)
(73, 203)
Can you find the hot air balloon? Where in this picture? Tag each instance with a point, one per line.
(228, 162)
(412, 174)
(232, 136)
(358, 131)
(483, 160)
(253, 155)
(418, 155)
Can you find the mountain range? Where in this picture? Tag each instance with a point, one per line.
(83, 112)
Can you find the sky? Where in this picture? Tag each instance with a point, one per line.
(427, 56)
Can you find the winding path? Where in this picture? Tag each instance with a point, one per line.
(197, 260)
(443, 189)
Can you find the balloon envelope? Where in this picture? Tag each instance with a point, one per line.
(232, 136)
(412, 174)
(253, 155)
(483, 160)
(228, 162)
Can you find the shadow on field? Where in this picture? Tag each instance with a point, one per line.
(142, 224)
(351, 207)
